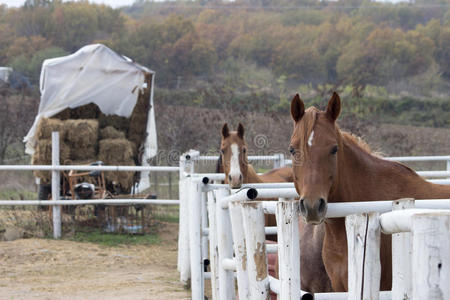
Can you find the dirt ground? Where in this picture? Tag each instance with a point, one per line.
(51, 269)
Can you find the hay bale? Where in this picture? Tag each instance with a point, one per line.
(123, 179)
(82, 138)
(118, 152)
(43, 156)
(88, 111)
(47, 126)
(115, 150)
(81, 134)
(43, 152)
(110, 132)
(119, 123)
(87, 153)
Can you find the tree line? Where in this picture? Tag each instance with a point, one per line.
(250, 45)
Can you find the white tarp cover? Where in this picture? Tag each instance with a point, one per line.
(93, 74)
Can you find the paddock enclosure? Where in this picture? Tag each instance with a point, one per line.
(221, 245)
(227, 239)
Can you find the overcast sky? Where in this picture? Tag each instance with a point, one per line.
(113, 3)
(117, 3)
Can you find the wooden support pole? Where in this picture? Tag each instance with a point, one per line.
(258, 274)
(56, 182)
(213, 248)
(288, 249)
(184, 266)
(431, 255)
(402, 257)
(225, 247)
(364, 268)
(195, 242)
(240, 250)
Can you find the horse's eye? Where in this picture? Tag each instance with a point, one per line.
(222, 151)
(292, 150)
(334, 150)
(244, 150)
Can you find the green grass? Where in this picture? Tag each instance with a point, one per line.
(113, 240)
(16, 194)
(166, 218)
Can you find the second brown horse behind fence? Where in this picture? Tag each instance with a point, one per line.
(334, 166)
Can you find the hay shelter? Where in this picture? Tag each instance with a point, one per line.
(96, 98)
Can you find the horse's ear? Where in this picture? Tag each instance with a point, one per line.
(297, 108)
(240, 131)
(334, 107)
(225, 131)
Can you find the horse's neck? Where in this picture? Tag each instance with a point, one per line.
(252, 176)
(365, 177)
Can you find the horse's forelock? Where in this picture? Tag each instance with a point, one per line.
(303, 131)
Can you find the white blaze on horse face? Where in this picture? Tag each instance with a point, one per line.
(235, 169)
(310, 140)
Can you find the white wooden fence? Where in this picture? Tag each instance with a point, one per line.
(233, 225)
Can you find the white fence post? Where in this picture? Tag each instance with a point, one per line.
(402, 257)
(213, 248)
(56, 186)
(240, 250)
(184, 266)
(195, 243)
(204, 226)
(279, 161)
(255, 237)
(288, 249)
(225, 247)
(431, 255)
(364, 269)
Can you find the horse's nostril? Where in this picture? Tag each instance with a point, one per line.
(240, 177)
(229, 177)
(322, 205)
(302, 206)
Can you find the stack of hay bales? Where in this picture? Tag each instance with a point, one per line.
(78, 143)
(88, 135)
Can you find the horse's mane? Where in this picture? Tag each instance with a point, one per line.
(359, 142)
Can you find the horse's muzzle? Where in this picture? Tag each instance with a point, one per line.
(313, 212)
(235, 181)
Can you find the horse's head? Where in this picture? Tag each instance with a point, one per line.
(314, 147)
(234, 156)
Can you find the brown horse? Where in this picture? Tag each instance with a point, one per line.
(233, 162)
(334, 166)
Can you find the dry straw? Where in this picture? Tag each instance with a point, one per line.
(110, 132)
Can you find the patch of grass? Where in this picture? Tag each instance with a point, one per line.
(96, 236)
(166, 218)
(17, 194)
